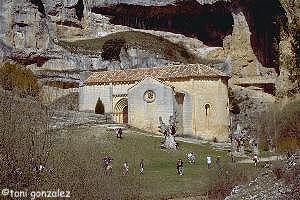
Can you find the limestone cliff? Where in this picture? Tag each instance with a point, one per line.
(246, 38)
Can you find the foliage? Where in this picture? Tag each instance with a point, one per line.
(19, 79)
(99, 108)
(280, 124)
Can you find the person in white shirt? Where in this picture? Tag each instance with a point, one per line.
(255, 159)
(191, 157)
(208, 158)
(125, 169)
(142, 167)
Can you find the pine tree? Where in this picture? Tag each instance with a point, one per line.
(99, 108)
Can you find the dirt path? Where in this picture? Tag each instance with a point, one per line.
(271, 158)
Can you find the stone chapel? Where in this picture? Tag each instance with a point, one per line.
(197, 95)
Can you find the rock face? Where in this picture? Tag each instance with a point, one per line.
(238, 37)
(280, 181)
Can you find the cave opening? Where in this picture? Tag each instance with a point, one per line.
(266, 20)
(209, 23)
(112, 48)
(79, 7)
(40, 6)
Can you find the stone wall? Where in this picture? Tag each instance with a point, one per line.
(199, 93)
(88, 96)
(146, 115)
(50, 94)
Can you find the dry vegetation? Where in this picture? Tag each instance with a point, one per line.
(25, 139)
(227, 179)
(19, 80)
(24, 130)
(279, 127)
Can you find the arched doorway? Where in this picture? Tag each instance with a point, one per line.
(121, 111)
(125, 115)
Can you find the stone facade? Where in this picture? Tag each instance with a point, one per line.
(200, 103)
(144, 114)
(205, 107)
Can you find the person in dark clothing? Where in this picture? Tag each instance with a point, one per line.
(119, 133)
(142, 167)
(179, 166)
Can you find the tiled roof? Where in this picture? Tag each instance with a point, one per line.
(162, 73)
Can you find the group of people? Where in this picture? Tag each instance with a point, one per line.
(107, 166)
(192, 160)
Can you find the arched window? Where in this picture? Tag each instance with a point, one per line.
(207, 108)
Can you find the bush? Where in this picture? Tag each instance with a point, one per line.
(19, 79)
(99, 109)
(280, 124)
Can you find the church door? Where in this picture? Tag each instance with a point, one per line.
(125, 115)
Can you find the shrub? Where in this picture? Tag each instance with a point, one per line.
(19, 79)
(99, 109)
(280, 124)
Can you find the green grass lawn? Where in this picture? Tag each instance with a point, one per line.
(76, 166)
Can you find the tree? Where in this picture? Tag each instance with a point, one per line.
(99, 108)
(169, 132)
(279, 126)
(19, 80)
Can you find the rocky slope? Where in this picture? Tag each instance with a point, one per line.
(280, 181)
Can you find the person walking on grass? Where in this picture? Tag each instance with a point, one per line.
(255, 159)
(191, 157)
(119, 133)
(179, 166)
(208, 160)
(107, 165)
(125, 169)
(142, 166)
